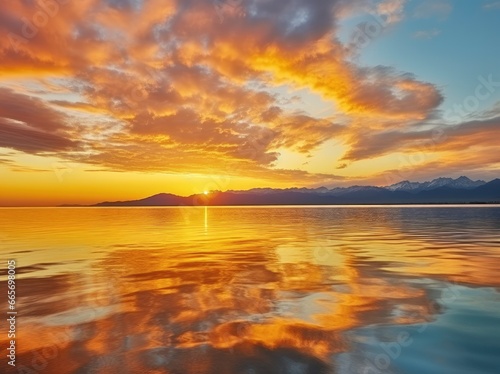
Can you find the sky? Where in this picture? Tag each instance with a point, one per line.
(122, 99)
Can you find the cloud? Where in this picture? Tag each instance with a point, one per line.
(493, 111)
(492, 5)
(388, 12)
(150, 155)
(440, 9)
(182, 86)
(30, 125)
(30, 110)
(29, 140)
(481, 162)
(391, 10)
(85, 107)
(426, 34)
(445, 138)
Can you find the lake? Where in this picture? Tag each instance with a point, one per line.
(254, 290)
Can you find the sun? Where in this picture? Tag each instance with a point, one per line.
(205, 192)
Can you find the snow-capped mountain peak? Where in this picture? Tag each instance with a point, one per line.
(461, 182)
(404, 186)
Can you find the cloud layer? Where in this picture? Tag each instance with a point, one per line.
(178, 86)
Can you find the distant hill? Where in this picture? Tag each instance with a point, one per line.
(441, 190)
(161, 199)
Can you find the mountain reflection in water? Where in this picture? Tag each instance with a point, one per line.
(255, 290)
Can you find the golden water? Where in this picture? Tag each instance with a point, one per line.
(254, 289)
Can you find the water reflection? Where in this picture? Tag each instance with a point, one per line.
(256, 290)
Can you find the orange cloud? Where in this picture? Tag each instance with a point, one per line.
(180, 86)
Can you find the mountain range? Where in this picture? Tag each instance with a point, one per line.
(441, 190)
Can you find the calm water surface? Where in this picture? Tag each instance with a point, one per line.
(286, 290)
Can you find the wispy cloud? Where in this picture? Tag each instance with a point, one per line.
(492, 5)
(440, 9)
(391, 10)
(426, 34)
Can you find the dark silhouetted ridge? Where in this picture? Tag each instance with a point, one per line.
(441, 190)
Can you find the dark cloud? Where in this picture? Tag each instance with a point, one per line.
(30, 110)
(442, 138)
(29, 140)
(124, 4)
